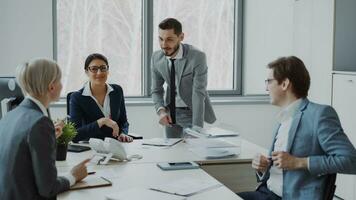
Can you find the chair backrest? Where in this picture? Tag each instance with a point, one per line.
(68, 102)
(330, 187)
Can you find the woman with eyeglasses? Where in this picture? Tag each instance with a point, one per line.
(98, 109)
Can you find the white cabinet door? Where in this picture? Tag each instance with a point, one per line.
(344, 102)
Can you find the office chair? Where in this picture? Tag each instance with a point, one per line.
(330, 187)
(135, 137)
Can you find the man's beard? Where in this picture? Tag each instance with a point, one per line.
(175, 50)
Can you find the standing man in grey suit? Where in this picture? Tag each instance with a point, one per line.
(28, 139)
(183, 68)
(309, 143)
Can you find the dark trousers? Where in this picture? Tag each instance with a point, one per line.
(262, 193)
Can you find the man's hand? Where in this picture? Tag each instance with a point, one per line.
(58, 126)
(109, 123)
(80, 171)
(285, 161)
(260, 163)
(124, 138)
(164, 118)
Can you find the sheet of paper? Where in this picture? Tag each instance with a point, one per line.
(218, 132)
(208, 143)
(186, 186)
(161, 141)
(142, 193)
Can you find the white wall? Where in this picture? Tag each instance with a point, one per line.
(25, 32)
(272, 29)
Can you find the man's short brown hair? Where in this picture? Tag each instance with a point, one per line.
(171, 23)
(294, 69)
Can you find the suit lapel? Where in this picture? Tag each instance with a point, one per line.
(93, 108)
(295, 124)
(164, 68)
(293, 130)
(180, 63)
(114, 105)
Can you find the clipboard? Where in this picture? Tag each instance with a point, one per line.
(91, 181)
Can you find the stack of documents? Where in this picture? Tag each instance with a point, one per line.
(141, 193)
(212, 148)
(216, 153)
(211, 132)
(161, 142)
(186, 187)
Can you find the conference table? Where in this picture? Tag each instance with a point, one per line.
(232, 174)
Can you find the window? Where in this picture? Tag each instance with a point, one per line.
(120, 29)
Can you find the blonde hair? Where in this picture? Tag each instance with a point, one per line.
(36, 75)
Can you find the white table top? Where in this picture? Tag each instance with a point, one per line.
(142, 175)
(144, 172)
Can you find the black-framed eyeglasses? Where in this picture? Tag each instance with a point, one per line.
(95, 69)
(269, 80)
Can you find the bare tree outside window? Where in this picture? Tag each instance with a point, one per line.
(209, 26)
(114, 28)
(110, 27)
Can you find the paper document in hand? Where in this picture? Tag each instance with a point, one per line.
(216, 153)
(186, 186)
(91, 181)
(161, 141)
(142, 193)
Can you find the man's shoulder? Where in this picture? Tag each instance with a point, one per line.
(192, 51)
(316, 109)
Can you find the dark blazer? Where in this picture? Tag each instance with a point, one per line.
(316, 133)
(28, 155)
(84, 113)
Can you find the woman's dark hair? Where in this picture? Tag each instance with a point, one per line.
(94, 56)
(294, 69)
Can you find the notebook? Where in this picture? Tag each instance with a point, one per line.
(91, 181)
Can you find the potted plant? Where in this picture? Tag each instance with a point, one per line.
(68, 133)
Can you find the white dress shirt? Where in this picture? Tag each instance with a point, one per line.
(285, 117)
(105, 109)
(68, 176)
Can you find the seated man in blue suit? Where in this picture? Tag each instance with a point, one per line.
(309, 143)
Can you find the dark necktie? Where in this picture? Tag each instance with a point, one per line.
(172, 96)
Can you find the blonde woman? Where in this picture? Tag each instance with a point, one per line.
(28, 139)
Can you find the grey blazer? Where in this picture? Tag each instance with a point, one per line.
(316, 133)
(192, 83)
(28, 155)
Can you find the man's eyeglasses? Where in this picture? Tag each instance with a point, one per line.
(268, 81)
(95, 69)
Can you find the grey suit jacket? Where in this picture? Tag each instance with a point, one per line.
(192, 82)
(28, 155)
(316, 133)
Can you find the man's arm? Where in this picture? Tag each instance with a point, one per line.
(200, 81)
(341, 154)
(157, 87)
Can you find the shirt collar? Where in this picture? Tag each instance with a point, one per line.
(179, 54)
(39, 104)
(289, 111)
(87, 90)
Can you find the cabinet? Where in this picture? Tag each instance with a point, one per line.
(344, 102)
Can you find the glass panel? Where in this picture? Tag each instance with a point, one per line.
(209, 26)
(111, 27)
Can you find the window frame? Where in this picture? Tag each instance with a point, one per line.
(147, 49)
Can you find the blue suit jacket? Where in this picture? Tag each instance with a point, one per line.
(84, 112)
(316, 133)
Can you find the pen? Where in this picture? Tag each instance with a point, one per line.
(90, 173)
